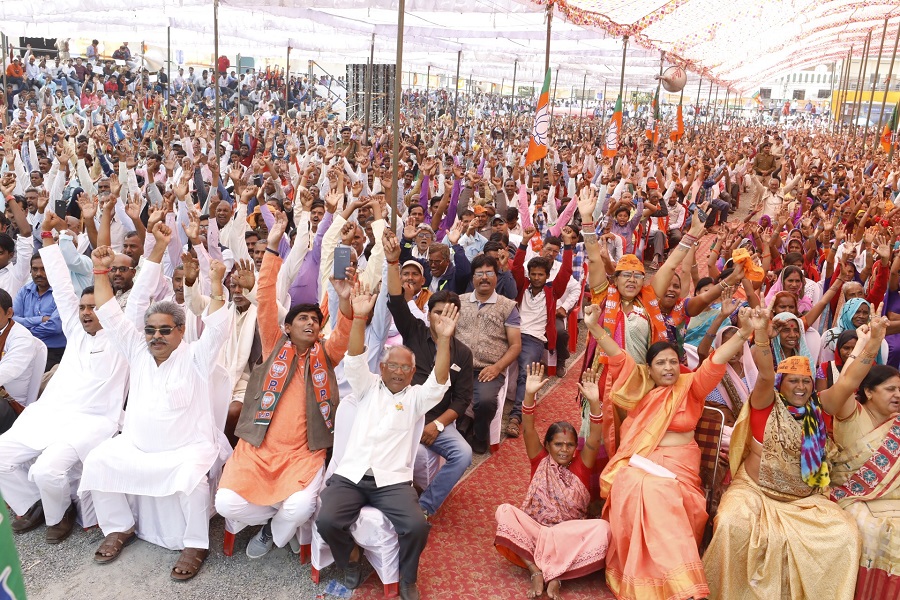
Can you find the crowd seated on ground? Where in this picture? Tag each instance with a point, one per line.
(164, 293)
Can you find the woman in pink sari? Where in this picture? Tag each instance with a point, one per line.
(551, 534)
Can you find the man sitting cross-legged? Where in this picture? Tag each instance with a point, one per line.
(287, 421)
(169, 440)
(79, 409)
(377, 465)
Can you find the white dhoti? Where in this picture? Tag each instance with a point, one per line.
(287, 516)
(28, 475)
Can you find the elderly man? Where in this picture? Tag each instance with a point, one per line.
(377, 464)
(79, 409)
(440, 434)
(169, 440)
(489, 325)
(275, 473)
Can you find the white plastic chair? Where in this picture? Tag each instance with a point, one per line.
(373, 531)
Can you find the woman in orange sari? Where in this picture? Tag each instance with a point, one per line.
(551, 535)
(654, 502)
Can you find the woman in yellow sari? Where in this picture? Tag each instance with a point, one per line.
(776, 534)
(866, 477)
(654, 502)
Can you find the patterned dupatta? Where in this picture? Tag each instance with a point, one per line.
(870, 469)
(555, 495)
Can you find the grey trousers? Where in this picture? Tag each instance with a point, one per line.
(341, 501)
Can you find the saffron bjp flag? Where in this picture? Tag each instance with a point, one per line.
(652, 131)
(889, 127)
(613, 130)
(540, 128)
(679, 126)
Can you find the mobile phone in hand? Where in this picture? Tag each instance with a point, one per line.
(60, 207)
(341, 261)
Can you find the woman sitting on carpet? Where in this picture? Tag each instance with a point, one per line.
(866, 478)
(776, 534)
(551, 534)
(652, 484)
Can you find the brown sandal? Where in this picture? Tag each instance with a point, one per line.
(191, 560)
(114, 543)
(512, 428)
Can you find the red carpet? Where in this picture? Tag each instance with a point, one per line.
(460, 562)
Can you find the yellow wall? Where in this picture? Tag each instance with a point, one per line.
(850, 96)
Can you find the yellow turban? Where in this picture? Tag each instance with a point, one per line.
(630, 262)
(795, 365)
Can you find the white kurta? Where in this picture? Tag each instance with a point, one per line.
(16, 364)
(82, 403)
(169, 439)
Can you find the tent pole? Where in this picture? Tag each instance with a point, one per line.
(856, 100)
(708, 99)
(216, 78)
(168, 64)
(395, 130)
(583, 90)
(287, 89)
(5, 89)
(455, 86)
(845, 83)
(553, 102)
(603, 107)
(547, 50)
(874, 83)
(512, 95)
(622, 71)
(697, 106)
(831, 91)
(725, 107)
(662, 61)
(367, 93)
(887, 83)
(427, 86)
(715, 107)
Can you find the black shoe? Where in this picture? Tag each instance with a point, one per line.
(477, 446)
(32, 518)
(353, 574)
(59, 532)
(409, 591)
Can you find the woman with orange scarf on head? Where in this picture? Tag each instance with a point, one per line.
(629, 308)
(654, 502)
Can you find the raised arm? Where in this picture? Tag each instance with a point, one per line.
(587, 201)
(763, 393)
(592, 321)
(590, 390)
(533, 383)
(838, 400)
(663, 277)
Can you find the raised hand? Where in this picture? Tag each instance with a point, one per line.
(103, 257)
(191, 268)
(455, 233)
(444, 322)
(115, 186)
(590, 388)
(527, 234)
(162, 233)
(587, 202)
(192, 230)
(134, 206)
(591, 315)
(244, 275)
(276, 231)
(216, 270)
(535, 379)
(332, 199)
(391, 245)
(362, 300)
(879, 323)
(344, 287)
(88, 205)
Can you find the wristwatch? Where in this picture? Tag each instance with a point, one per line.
(439, 425)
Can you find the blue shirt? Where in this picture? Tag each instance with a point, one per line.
(29, 309)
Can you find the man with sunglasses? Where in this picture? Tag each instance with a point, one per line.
(170, 438)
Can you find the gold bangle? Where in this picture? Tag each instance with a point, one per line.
(766, 344)
(742, 336)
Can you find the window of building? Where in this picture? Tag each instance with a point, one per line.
(824, 94)
(765, 93)
(799, 94)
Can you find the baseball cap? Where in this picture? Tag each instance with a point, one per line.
(413, 263)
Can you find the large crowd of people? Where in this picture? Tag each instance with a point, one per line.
(163, 292)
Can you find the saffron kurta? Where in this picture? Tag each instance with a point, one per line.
(283, 464)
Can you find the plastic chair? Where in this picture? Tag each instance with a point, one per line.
(708, 436)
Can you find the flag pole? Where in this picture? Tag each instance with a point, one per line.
(427, 89)
(622, 72)
(216, 75)
(5, 99)
(874, 83)
(287, 90)
(697, 107)
(603, 107)
(845, 83)
(856, 100)
(456, 87)
(662, 60)
(831, 90)
(367, 93)
(395, 133)
(583, 89)
(546, 69)
(552, 102)
(725, 107)
(887, 84)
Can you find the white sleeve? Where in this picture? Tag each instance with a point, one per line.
(63, 290)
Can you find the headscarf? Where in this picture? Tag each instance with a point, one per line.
(732, 384)
(845, 323)
(804, 302)
(813, 466)
(802, 349)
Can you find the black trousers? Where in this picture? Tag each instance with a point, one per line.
(7, 416)
(341, 501)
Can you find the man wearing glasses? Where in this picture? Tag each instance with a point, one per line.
(376, 467)
(169, 440)
(121, 277)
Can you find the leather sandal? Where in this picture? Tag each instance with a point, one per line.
(114, 543)
(191, 560)
(512, 428)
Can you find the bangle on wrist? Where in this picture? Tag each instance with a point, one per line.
(219, 297)
(275, 252)
(46, 234)
(361, 317)
(741, 335)
(393, 262)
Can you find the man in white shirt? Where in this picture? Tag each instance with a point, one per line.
(80, 408)
(18, 351)
(377, 464)
(13, 275)
(169, 440)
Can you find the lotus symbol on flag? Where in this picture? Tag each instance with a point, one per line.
(612, 136)
(541, 126)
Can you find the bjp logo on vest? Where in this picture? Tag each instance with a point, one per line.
(278, 369)
(268, 401)
(319, 377)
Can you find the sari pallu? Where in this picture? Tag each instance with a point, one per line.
(866, 478)
(657, 522)
(552, 529)
(779, 538)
